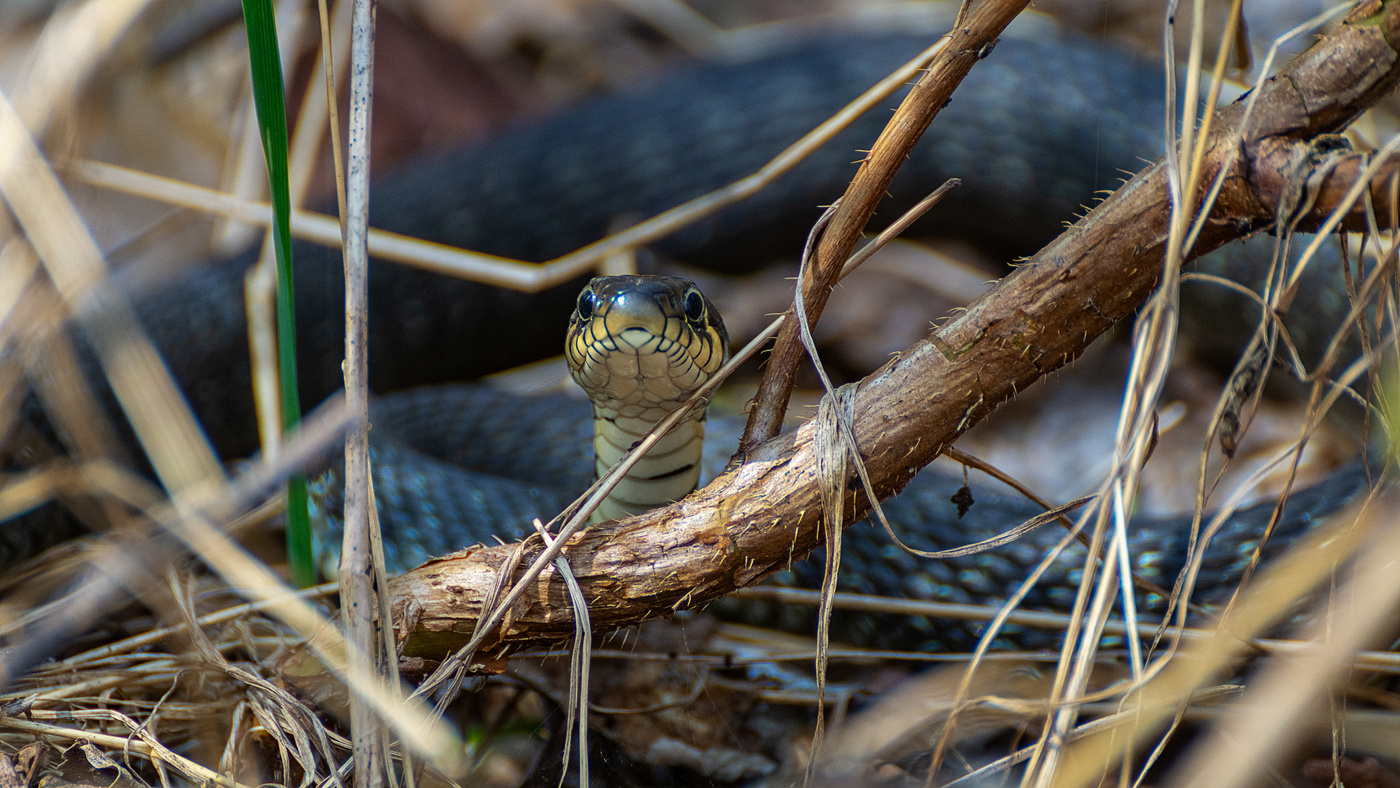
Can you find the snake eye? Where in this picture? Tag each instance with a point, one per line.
(694, 305)
(584, 310)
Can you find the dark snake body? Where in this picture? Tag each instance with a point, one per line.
(459, 473)
(1035, 131)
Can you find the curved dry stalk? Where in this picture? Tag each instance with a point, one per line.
(491, 269)
(580, 662)
(969, 40)
(1154, 343)
(139, 743)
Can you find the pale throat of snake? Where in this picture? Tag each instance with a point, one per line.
(640, 346)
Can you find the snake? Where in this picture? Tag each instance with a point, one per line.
(458, 464)
(641, 347)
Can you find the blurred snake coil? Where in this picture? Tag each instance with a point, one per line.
(1036, 130)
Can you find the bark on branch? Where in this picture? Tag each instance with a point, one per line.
(763, 514)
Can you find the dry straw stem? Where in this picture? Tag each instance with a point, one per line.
(973, 35)
(138, 743)
(1153, 704)
(761, 515)
(362, 553)
(1263, 727)
(491, 269)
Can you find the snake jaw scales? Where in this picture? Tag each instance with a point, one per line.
(640, 346)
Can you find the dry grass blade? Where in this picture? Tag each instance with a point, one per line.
(198, 529)
(1113, 718)
(279, 703)
(1154, 342)
(144, 639)
(1309, 564)
(182, 458)
(1290, 688)
(835, 441)
(145, 745)
(580, 659)
(362, 570)
(490, 269)
(999, 622)
(1378, 661)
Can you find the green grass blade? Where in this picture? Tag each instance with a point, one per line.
(266, 63)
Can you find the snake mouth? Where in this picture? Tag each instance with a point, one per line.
(635, 338)
(638, 333)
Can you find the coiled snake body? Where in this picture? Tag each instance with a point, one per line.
(1034, 132)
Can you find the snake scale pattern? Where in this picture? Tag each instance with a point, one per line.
(1037, 129)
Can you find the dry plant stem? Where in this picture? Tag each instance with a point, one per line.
(763, 514)
(332, 58)
(1154, 345)
(970, 461)
(259, 296)
(142, 744)
(1376, 661)
(1290, 688)
(1266, 604)
(164, 426)
(182, 459)
(1108, 716)
(361, 576)
(580, 659)
(963, 47)
(140, 552)
(490, 269)
(135, 642)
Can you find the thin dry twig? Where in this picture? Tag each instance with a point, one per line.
(580, 660)
(491, 269)
(362, 570)
(970, 40)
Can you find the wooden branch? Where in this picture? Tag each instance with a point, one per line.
(968, 43)
(758, 517)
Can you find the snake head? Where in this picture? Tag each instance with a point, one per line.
(644, 342)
